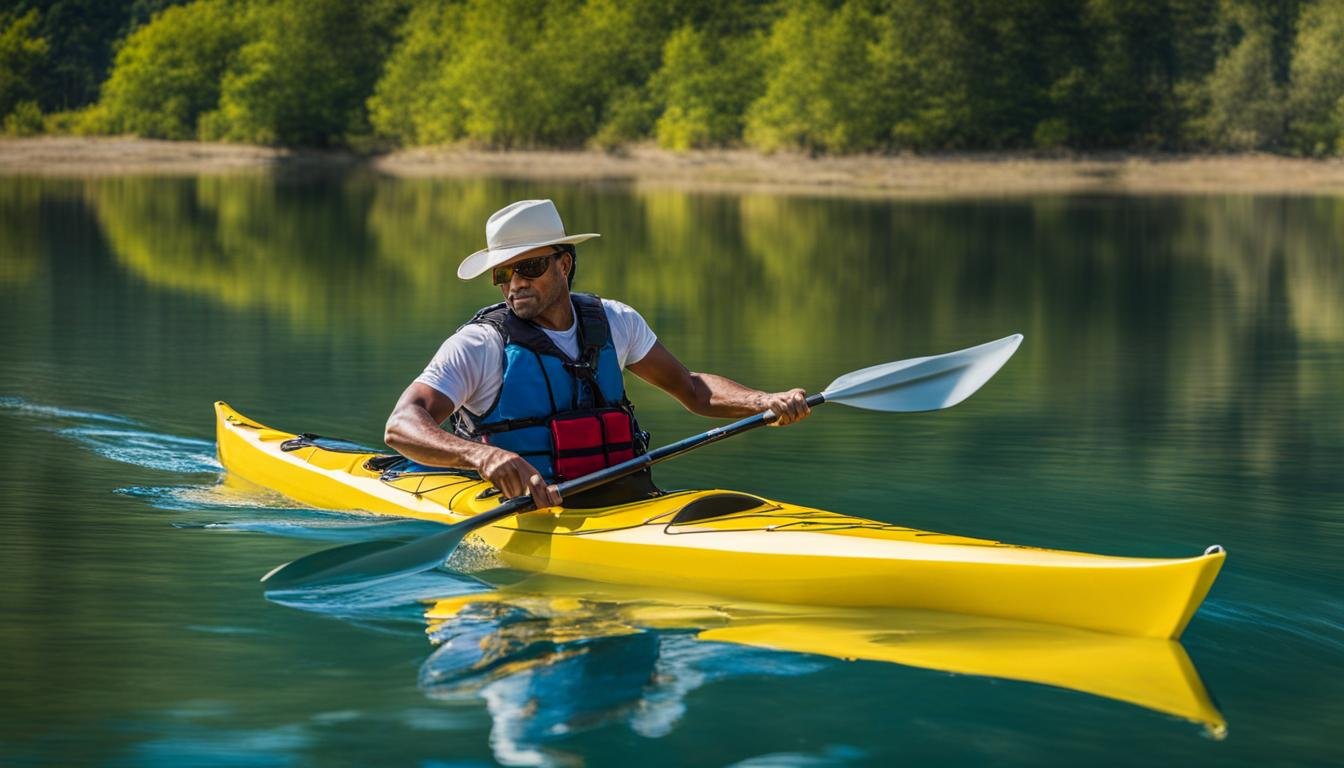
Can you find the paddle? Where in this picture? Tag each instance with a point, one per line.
(917, 384)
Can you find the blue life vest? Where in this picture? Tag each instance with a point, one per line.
(544, 390)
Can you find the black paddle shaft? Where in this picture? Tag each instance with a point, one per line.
(371, 562)
(923, 384)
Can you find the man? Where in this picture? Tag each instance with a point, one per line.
(533, 386)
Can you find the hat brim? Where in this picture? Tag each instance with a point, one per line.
(486, 259)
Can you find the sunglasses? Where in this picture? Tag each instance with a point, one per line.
(529, 268)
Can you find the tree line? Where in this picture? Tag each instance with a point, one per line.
(821, 76)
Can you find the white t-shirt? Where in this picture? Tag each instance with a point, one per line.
(469, 367)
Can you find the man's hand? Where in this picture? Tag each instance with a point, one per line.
(788, 406)
(515, 477)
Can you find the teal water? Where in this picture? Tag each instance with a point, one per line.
(1181, 384)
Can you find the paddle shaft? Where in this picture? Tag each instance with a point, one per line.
(624, 469)
(918, 384)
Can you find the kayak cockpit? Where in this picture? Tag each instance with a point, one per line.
(716, 505)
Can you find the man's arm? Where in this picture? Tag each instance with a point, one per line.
(708, 394)
(413, 431)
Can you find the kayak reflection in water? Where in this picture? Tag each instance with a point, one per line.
(533, 386)
(545, 678)
(552, 658)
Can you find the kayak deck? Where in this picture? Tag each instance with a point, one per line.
(761, 550)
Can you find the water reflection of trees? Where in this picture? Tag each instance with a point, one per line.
(298, 250)
(1201, 318)
(21, 242)
(757, 261)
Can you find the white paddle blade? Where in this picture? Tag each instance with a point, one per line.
(923, 383)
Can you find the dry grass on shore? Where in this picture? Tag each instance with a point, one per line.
(939, 176)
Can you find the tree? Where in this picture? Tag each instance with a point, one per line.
(167, 74)
(1317, 91)
(509, 73)
(82, 36)
(822, 91)
(21, 55)
(407, 105)
(305, 73)
(1241, 105)
(704, 86)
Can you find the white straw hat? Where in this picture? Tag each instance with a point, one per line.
(518, 228)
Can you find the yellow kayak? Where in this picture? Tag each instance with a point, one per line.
(731, 544)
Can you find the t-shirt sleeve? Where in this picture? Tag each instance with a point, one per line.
(467, 367)
(630, 334)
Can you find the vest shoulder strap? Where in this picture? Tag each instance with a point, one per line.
(594, 332)
(492, 316)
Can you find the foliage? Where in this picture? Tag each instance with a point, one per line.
(303, 76)
(631, 113)
(1317, 95)
(1244, 105)
(813, 75)
(523, 78)
(21, 53)
(406, 106)
(24, 120)
(82, 36)
(822, 90)
(704, 85)
(168, 72)
(1119, 89)
(63, 123)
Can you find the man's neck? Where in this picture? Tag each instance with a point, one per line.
(559, 316)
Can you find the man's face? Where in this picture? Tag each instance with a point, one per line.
(529, 297)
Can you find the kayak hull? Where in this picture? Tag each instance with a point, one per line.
(765, 550)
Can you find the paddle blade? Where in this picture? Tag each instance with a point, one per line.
(923, 383)
(367, 563)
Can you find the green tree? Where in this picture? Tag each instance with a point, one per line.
(22, 52)
(822, 91)
(1241, 105)
(1122, 92)
(516, 75)
(705, 85)
(982, 73)
(924, 75)
(1317, 92)
(407, 104)
(816, 75)
(305, 73)
(82, 36)
(167, 74)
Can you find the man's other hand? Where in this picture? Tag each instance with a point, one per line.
(788, 407)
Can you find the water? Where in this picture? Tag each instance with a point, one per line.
(1181, 384)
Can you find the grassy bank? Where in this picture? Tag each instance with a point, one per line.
(925, 176)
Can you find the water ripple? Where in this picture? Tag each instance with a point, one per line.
(152, 450)
(122, 439)
(48, 411)
(401, 599)
(1321, 626)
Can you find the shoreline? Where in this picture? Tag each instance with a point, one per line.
(889, 176)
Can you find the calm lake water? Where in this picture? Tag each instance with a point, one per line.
(1181, 384)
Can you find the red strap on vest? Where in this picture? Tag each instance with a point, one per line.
(584, 444)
